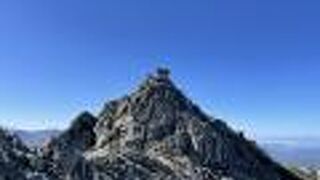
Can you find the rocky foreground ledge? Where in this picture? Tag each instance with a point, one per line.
(154, 132)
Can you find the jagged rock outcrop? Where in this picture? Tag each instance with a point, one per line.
(63, 155)
(16, 160)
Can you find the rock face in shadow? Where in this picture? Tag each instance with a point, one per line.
(63, 155)
(155, 133)
(15, 158)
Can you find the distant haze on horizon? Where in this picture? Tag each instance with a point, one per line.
(255, 64)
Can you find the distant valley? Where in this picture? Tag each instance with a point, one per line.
(36, 138)
(303, 152)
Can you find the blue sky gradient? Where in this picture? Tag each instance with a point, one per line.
(254, 63)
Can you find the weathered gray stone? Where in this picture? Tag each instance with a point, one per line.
(62, 158)
(15, 158)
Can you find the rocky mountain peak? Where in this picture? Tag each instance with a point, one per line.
(156, 133)
(150, 113)
(158, 128)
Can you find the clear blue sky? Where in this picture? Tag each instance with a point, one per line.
(254, 63)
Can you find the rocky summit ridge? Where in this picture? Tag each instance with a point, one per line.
(157, 133)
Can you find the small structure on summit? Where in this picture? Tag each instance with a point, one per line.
(159, 77)
(163, 73)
